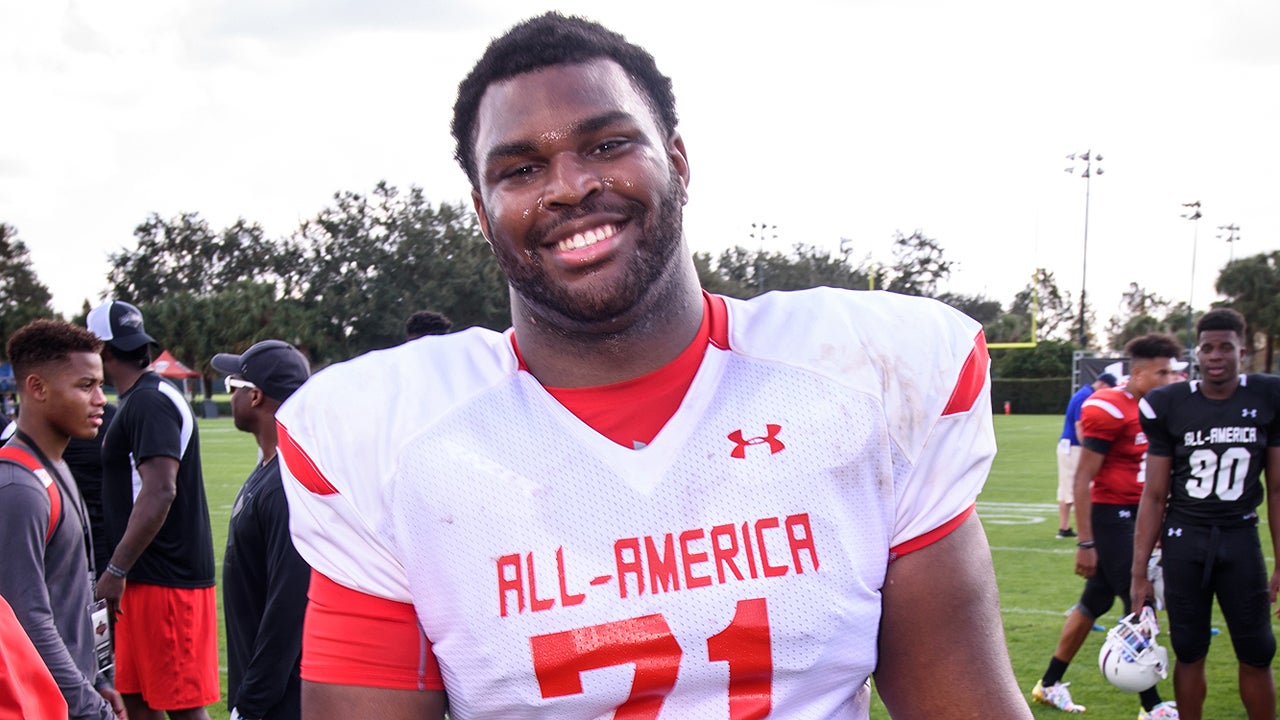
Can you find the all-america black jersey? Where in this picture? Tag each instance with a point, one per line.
(1219, 447)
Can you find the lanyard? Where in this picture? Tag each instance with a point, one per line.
(74, 498)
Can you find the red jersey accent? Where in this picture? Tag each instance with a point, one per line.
(632, 412)
(27, 690)
(24, 458)
(1111, 415)
(302, 465)
(973, 377)
(930, 537)
(351, 638)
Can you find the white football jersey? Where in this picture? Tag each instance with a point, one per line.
(731, 568)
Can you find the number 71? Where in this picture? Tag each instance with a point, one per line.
(559, 659)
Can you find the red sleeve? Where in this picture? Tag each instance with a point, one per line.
(350, 638)
(930, 537)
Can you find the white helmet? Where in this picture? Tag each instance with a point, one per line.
(1131, 659)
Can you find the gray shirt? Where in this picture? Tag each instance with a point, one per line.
(48, 585)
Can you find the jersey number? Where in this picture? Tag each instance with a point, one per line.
(1221, 476)
(559, 659)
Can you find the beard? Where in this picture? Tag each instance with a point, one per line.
(593, 301)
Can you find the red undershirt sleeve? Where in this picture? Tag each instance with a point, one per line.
(351, 638)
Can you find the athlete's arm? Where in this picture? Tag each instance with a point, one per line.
(1273, 517)
(1079, 432)
(159, 487)
(1088, 466)
(921, 640)
(1155, 498)
(321, 701)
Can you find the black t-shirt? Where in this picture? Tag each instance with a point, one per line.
(1218, 447)
(264, 595)
(84, 457)
(154, 420)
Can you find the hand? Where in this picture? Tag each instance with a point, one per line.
(1141, 591)
(1086, 562)
(115, 701)
(110, 588)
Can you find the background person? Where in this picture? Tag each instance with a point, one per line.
(1069, 451)
(157, 519)
(426, 322)
(264, 580)
(1108, 485)
(1211, 441)
(44, 530)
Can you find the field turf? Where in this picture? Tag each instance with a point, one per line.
(1033, 568)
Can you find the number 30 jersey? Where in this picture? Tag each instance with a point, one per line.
(1218, 447)
(731, 568)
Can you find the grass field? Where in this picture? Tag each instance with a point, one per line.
(1033, 568)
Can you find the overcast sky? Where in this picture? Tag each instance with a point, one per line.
(831, 120)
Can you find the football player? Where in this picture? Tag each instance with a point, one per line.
(1107, 489)
(1211, 440)
(643, 501)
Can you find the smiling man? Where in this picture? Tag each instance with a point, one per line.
(642, 501)
(1211, 441)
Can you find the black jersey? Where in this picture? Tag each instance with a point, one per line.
(1218, 447)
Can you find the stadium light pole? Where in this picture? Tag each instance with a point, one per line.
(1192, 214)
(1092, 167)
(1232, 236)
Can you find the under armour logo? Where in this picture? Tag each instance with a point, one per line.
(771, 439)
(1126, 513)
(1175, 532)
(1247, 412)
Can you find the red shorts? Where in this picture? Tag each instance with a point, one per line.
(167, 646)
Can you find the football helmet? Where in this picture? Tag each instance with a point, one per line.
(1131, 659)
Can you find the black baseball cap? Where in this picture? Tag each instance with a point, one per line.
(1109, 379)
(275, 366)
(118, 324)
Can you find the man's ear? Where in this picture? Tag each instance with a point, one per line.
(478, 204)
(36, 387)
(680, 162)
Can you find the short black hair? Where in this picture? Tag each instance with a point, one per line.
(1155, 345)
(426, 322)
(544, 41)
(42, 342)
(139, 357)
(1221, 319)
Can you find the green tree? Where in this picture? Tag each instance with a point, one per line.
(1252, 287)
(1042, 297)
(1048, 359)
(23, 297)
(194, 327)
(979, 307)
(739, 272)
(184, 255)
(918, 265)
(1141, 313)
(372, 260)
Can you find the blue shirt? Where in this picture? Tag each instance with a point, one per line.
(1073, 414)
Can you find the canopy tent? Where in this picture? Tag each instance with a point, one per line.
(168, 366)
